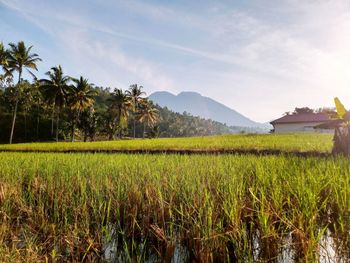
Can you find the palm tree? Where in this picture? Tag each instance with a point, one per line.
(88, 122)
(3, 57)
(135, 94)
(55, 90)
(108, 124)
(119, 107)
(26, 98)
(3, 63)
(81, 97)
(148, 115)
(38, 101)
(20, 57)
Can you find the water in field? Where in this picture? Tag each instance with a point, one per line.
(113, 254)
(327, 252)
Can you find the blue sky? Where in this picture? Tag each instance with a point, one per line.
(261, 58)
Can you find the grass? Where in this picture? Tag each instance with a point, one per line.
(227, 208)
(285, 142)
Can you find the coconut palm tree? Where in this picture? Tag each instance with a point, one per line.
(55, 90)
(20, 58)
(81, 97)
(148, 115)
(3, 63)
(135, 94)
(88, 122)
(3, 58)
(120, 105)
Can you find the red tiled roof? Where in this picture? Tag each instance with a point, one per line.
(303, 117)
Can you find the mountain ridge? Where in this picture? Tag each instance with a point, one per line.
(205, 107)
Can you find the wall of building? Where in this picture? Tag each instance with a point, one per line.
(300, 127)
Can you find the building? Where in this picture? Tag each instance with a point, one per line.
(301, 122)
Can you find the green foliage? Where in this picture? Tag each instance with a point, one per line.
(17, 58)
(55, 100)
(20, 57)
(56, 87)
(173, 124)
(3, 56)
(135, 94)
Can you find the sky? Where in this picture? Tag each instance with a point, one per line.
(261, 58)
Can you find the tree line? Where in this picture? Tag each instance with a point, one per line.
(304, 110)
(61, 107)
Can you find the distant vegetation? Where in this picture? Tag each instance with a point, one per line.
(302, 110)
(61, 107)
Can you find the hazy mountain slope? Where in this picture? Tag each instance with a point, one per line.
(205, 107)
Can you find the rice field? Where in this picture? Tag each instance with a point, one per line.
(284, 142)
(59, 207)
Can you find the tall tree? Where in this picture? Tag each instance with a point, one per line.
(38, 104)
(120, 105)
(148, 115)
(81, 97)
(55, 90)
(88, 123)
(3, 57)
(6, 76)
(19, 58)
(27, 100)
(135, 94)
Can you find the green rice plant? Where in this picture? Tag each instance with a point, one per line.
(284, 142)
(218, 208)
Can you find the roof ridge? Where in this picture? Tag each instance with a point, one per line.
(303, 117)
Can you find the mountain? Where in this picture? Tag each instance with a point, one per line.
(198, 105)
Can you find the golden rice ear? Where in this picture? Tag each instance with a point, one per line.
(341, 111)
